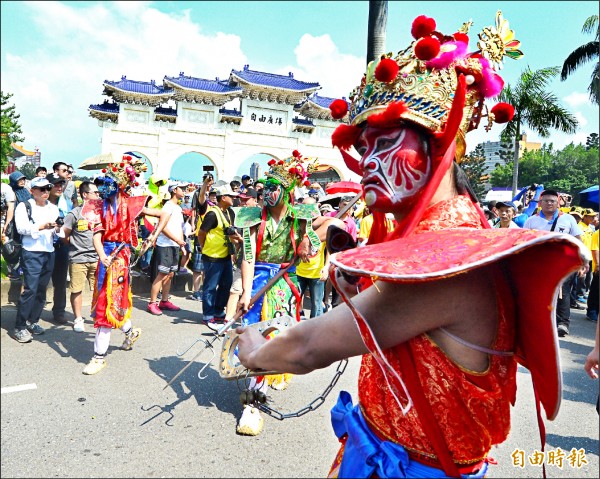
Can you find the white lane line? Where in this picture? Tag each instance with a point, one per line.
(16, 389)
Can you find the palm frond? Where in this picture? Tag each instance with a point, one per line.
(594, 88)
(590, 24)
(579, 56)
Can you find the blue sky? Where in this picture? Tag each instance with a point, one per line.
(55, 55)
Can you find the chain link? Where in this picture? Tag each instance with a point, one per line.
(314, 404)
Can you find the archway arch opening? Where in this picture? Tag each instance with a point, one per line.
(255, 165)
(191, 167)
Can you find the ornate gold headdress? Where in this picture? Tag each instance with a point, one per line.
(127, 170)
(418, 84)
(293, 170)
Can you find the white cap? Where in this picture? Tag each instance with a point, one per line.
(39, 182)
(177, 184)
(225, 190)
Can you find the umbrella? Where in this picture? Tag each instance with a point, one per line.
(588, 198)
(340, 189)
(97, 162)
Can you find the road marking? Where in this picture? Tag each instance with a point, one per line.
(16, 389)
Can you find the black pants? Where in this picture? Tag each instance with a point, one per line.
(563, 304)
(37, 268)
(593, 298)
(59, 279)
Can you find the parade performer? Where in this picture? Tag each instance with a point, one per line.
(273, 236)
(113, 219)
(446, 308)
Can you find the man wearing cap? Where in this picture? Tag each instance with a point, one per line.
(39, 230)
(248, 197)
(217, 238)
(431, 307)
(169, 244)
(550, 218)
(506, 212)
(247, 182)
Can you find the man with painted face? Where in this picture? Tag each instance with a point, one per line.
(450, 312)
(115, 230)
(273, 236)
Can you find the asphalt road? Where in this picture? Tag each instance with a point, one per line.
(121, 423)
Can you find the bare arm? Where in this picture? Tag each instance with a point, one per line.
(99, 247)
(591, 361)
(396, 314)
(248, 275)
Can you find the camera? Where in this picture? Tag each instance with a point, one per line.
(230, 230)
(59, 221)
(208, 175)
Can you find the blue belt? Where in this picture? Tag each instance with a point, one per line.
(365, 454)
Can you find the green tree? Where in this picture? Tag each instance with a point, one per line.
(535, 107)
(583, 54)
(473, 165)
(378, 11)
(507, 147)
(592, 141)
(10, 129)
(28, 170)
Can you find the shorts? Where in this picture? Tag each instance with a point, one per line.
(79, 273)
(236, 286)
(167, 259)
(196, 265)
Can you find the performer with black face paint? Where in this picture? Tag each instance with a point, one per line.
(115, 229)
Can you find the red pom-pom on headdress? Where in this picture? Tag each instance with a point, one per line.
(389, 116)
(422, 26)
(427, 48)
(296, 154)
(271, 162)
(387, 69)
(338, 108)
(461, 37)
(344, 136)
(503, 112)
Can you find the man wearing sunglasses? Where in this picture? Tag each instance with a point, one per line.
(83, 258)
(39, 231)
(66, 171)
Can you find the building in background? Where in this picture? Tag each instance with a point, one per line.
(228, 121)
(20, 156)
(492, 151)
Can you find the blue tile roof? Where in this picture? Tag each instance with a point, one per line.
(234, 112)
(286, 82)
(302, 121)
(216, 86)
(109, 107)
(323, 101)
(160, 110)
(133, 86)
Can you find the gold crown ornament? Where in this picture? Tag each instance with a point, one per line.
(419, 84)
(126, 171)
(292, 171)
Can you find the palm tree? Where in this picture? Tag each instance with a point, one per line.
(536, 108)
(584, 54)
(377, 28)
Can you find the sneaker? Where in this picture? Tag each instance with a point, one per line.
(95, 366)
(581, 299)
(194, 297)
(154, 309)
(563, 330)
(577, 306)
(23, 336)
(208, 320)
(35, 328)
(159, 295)
(79, 325)
(131, 338)
(214, 326)
(168, 306)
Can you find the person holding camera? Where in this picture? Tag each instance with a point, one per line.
(217, 238)
(36, 222)
(169, 243)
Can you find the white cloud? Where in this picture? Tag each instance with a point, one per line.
(581, 119)
(319, 58)
(576, 99)
(54, 84)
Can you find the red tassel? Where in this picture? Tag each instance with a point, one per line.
(427, 48)
(389, 116)
(351, 162)
(344, 136)
(338, 108)
(422, 26)
(445, 138)
(387, 69)
(503, 112)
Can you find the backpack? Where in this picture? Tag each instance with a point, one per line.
(11, 248)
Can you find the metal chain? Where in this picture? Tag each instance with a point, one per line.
(314, 404)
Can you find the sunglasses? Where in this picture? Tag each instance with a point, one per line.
(43, 188)
(70, 171)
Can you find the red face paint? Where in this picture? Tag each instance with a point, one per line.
(395, 163)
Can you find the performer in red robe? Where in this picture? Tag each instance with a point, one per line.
(115, 229)
(441, 308)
